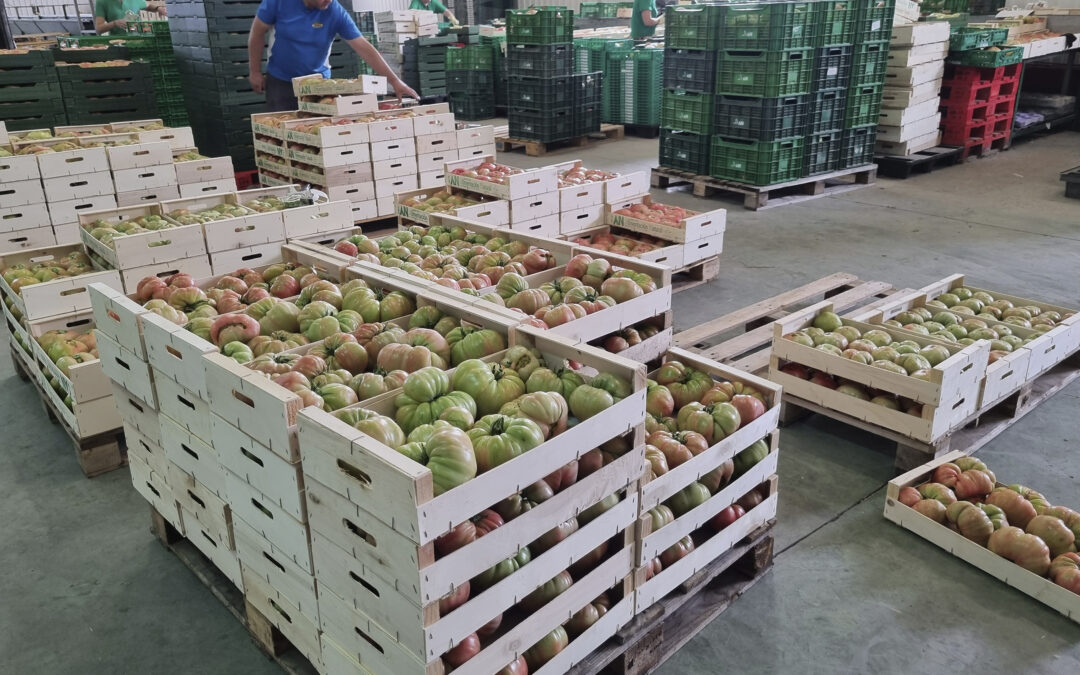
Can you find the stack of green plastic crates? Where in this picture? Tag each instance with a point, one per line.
(686, 101)
(541, 81)
(498, 61)
(29, 91)
(425, 64)
(871, 29)
(105, 94)
(470, 81)
(617, 63)
(155, 47)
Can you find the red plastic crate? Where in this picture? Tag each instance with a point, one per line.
(1002, 108)
(965, 94)
(961, 114)
(246, 179)
(964, 132)
(974, 74)
(1007, 88)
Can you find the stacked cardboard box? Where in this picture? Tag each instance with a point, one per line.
(909, 118)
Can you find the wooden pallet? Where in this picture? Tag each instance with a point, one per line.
(757, 197)
(96, 454)
(608, 132)
(897, 166)
(752, 326)
(691, 276)
(657, 633)
(975, 432)
(270, 640)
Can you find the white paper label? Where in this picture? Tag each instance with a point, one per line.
(875, 25)
(832, 71)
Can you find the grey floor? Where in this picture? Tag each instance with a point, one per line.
(86, 588)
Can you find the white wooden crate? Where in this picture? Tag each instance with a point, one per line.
(137, 414)
(21, 193)
(275, 478)
(206, 507)
(156, 153)
(947, 399)
(67, 212)
(154, 488)
(84, 382)
(184, 407)
(224, 262)
(193, 456)
(301, 629)
(532, 182)
(127, 369)
(208, 187)
(147, 196)
(205, 540)
(691, 228)
(26, 217)
(205, 170)
(262, 558)
(19, 168)
(146, 248)
(288, 535)
(20, 240)
(63, 296)
(197, 266)
(81, 161)
(1029, 583)
(140, 445)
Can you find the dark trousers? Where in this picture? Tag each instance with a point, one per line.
(279, 95)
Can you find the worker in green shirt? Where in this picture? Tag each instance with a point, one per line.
(112, 14)
(437, 7)
(645, 19)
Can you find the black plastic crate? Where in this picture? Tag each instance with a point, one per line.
(685, 151)
(827, 111)
(760, 119)
(768, 25)
(832, 67)
(857, 147)
(46, 92)
(213, 8)
(586, 119)
(823, 152)
(588, 88)
(472, 108)
(540, 60)
(540, 93)
(690, 69)
(541, 125)
(466, 81)
(835, 22)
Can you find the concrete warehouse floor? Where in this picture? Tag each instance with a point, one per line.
(89, 590)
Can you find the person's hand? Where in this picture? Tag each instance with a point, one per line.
(119, 23)
(161, 10)
(403, 91)
(258, 82)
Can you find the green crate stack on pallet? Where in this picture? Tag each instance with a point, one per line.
(156, 48)
(647, 79)
(540, 64)
(470, 81)
(765, 77)
(690, 41)
(870, 33)
(30, 95)
(616, 57)
(96, 94)
(498, 61)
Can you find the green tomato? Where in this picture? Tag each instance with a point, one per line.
(498, 439)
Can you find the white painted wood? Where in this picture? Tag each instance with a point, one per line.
(20, 240)
(288, 535)
(206, 507)
(300, 629)
(154, 489)
(137, 414)
(126, 369)
(155, 153)
(277, 479)
(184, 407)
(193, 456)
(260, 557)
(150, 452)
(176, 353)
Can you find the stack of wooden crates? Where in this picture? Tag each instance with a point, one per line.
(909, 117)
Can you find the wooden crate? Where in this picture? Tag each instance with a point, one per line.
(192, 455)
(532, 182)
(148, 248)
(145, 449)
(947, 400)
(210, 511)
(154, 488)
(274, 478)
(1039, 588)
(495, 213)
(125, 368)
(671, 255)
(19, 168)
(1065, 341)
(136, 414)
(122, 157)
(84, 382)
(693, 227)
(267, 412)
(64, 296)
(393, 548)
(205, 170)
(1006, 375)
(251, 229)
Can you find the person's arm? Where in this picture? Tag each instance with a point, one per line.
(156, 6)
(450, 17)
(373, 58)
(648, 19)
(256, 40)
(101, 25)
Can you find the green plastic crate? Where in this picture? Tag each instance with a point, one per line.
(968, 37)
(757, 162)
(835, 22)
(767, 74)
(468, 107)
(470, 57)
(685, 151)
(541, 125)
(47, 92)
(540, 25)
(857, 146)
(985, 58)
(768, 25)
(863, 105)
(874, 20)
(589, 10)
(869, 63)
(692, 27)
(687, 111)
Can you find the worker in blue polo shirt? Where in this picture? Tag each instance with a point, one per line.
(303, 33)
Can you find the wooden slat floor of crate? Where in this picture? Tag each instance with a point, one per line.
(691, 276)
(749, 349)
(660, 631)
(269, 638)
(608, 132)
(975, 432)
(96, 454)
(903, 166)
(757, 197)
